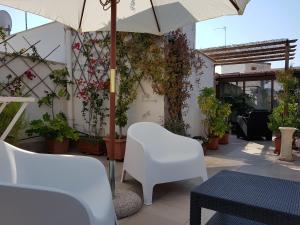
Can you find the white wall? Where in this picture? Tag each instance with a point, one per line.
(245, 68)
(50, 36)
(193, 116)
(257, 67)
(148, 106)
(233, 68)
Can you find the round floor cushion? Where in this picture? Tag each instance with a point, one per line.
(127, 203)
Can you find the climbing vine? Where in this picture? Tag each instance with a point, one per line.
(180, 59)
(60, 78)
(166, 62)
(139, 56)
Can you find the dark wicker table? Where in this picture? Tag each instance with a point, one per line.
(244, 199)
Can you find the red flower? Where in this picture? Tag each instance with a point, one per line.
(93, 41)
(29, 75)
(93, 61)
(76, 46)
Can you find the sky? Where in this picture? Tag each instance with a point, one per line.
(261, 21)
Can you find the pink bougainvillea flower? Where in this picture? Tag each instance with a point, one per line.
(93, 41)
(29, 75)
(76, 46)
(93, 61)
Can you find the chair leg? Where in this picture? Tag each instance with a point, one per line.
(147, 192)
(123, 176)
(204, 175)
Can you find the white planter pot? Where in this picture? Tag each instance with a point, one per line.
(286, 143)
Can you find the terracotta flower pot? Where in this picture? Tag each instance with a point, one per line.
(277, 143)
(213, 143)
(57, 147)
(90, 146)
(120, 145)
(224, 140)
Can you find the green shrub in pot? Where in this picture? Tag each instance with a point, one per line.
(56, 130)
(278, 119)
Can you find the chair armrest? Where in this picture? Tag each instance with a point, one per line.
(62, 172)
(189, 143)
(135, 158)
(29, 205)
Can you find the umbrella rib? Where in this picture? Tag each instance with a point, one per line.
(154, 13)
(235, 5)
(82, 12)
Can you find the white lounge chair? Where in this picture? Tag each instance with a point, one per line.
(154, 155)
(40, 189)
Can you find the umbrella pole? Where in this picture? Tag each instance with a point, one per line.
(112, 95)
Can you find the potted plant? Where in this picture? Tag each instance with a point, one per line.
(224, 140)
(277, 119)
(217, 130)
(224, 111)
(286, 114)
(214, 121)
(56, 131)
(93, 94)
(127, 91)
(120, 138)
(176, 126)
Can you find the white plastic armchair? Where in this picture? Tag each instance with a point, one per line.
(155, 155)
(40, 189)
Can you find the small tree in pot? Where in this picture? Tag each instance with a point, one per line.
(224, 112)
(214, 122)
(127, 92)
(94, 95)
(277, 119)
(286, 114)
(121, 122)
(216, 117)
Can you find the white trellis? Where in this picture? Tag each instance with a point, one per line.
(5, 101)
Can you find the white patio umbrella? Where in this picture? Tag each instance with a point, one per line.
(143, 16)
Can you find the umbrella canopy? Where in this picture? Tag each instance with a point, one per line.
(143, 16)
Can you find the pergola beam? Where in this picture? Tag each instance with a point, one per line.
(248, 61)
(249, 46)
(251, 53)
(266, 58)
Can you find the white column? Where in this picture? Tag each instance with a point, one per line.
(68, 50)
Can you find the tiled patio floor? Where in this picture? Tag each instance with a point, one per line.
(171, 201)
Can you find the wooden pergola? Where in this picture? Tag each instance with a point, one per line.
(255, 52)
(254, 76)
